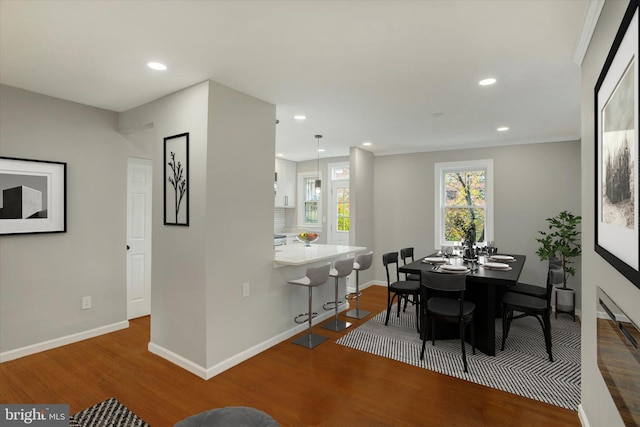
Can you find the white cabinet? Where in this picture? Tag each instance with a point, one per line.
(285, 184)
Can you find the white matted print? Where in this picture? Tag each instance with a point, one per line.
(32, 196)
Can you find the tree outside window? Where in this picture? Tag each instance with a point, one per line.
(343, 209)
(464, 212)
(464, 202)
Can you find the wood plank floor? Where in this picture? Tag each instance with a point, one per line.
(330, 385)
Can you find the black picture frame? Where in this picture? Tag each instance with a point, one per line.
(33, 196)
(617, 225)
(176, 180)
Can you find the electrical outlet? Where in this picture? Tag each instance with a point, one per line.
(86, 303)
(246, 290)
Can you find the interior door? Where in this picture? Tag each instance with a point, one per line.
(139, 238)
(339, 212)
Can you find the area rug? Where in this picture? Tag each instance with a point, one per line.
(523, 368)
(109, 413)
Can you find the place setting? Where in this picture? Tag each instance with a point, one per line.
(501, 258)
(490, 265)
(435, 260)
(454, 269)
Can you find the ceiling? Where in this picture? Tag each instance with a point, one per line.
(400, 74)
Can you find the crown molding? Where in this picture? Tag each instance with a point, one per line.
(588, 26)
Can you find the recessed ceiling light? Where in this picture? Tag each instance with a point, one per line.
(487, 82)
(299, 117)
(156, 66)
(502, 129)
(367, 143)
(279, 155)
(321, 150)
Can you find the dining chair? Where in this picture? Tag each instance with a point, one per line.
(535, 290)
(397, 289)
(527, 305)
(407, 254)
(443, 300)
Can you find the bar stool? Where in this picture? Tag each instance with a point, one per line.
(341, 268)
(362, 262)
(315, 276)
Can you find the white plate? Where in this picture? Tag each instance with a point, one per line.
(455, 268)
(496, 265)
(434, 260)
(502, 257)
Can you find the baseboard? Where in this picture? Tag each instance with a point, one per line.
(208, 373)
(583, 416)
(365, 286)
(59, 342)
(178, 360)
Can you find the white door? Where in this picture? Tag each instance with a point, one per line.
(339, 212)
(139, 238)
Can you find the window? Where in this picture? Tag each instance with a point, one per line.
(342, 202)
(464, 202)
(340, 172)
(310, 211)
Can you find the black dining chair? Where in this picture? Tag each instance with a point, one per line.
(442, 296)
(398, 289)
(527, 305)
(407, 257)
(407, 254)
(535, 290)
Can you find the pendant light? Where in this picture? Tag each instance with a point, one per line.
(317, 182)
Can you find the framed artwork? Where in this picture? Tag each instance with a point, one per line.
(617, 228)
(176, 180)
(33, 196)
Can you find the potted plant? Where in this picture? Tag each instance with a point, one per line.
(562, 240)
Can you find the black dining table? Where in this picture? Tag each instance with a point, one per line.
(485, 287)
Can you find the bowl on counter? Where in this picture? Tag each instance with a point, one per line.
(307, 238)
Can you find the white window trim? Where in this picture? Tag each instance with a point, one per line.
(330, 167)
(439, 204)
(300, 209)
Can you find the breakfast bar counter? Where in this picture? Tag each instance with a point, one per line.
(299, 254)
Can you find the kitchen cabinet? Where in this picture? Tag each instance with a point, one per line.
(285, 184)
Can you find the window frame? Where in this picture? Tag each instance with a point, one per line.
(330, 171)
(440, 169)
(302, 176)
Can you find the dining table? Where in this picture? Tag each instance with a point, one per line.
(484, 287)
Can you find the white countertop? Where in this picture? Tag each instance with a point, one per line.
(299, 254)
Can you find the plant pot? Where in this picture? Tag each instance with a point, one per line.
(565, 301)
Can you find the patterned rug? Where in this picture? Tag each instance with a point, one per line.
(109, 413)
(523, 368)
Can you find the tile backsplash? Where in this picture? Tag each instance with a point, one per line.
(279, 220)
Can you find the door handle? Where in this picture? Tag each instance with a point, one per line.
(128, 247)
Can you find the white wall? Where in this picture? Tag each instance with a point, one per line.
(239, 232)
(361, 164)
(43, 277)
(531, 182)
(178, 266)
(597, 403)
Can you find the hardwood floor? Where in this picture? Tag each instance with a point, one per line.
(330, 385)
